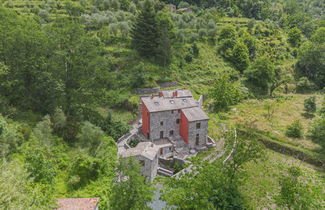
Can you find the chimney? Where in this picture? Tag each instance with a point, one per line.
(175, 93)
(160, 94)
(151, 96)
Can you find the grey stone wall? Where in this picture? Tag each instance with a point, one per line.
(147, 90)
(169, 123)
(150, 167)
(202, 131)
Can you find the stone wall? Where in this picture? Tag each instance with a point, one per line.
(147, 90)
(169, 123)
(202, 131)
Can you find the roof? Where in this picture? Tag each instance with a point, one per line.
(179, 93)
(77, 203)
(195, 114)
(145, 149)
(157, 104)
(184, 9)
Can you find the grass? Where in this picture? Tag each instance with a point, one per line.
(273, 115)
(261, 184)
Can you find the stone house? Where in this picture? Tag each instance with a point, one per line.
(174, 116)
(147, 154)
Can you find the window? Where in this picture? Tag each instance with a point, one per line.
(170, 149)
(197, 140)
(172, 101)
(142, 163)
(177, 121)
(198, 125)
(162, 123)
(184, 100)
(161, 134)
(156, 103)
(161, 151)
(172, 111)
(179, 111)
(171, 133)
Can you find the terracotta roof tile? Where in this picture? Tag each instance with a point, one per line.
(77, 203)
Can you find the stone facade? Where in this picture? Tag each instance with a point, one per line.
(174, 115)
(165, 122)
(198, 132)
(149, 167)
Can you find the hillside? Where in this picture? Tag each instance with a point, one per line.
(69, 71)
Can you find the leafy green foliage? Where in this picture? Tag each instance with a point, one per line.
(310, 105)
(294, 130)
(40, 165)
(145, 31)
(260, 75)
(130, 189)
(17, 191)
(304, 85)
(90, 136)
(317, 131)
(214, 185)
(294, 193)
(10, 138)
(310, 62)
(319, 36)
(295, 36)
(225, 93)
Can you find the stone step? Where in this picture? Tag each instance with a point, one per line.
(164, 172)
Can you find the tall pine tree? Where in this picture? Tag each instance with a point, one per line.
(145, 32)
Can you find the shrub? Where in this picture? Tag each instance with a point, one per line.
(225, 93)
(304, 85)
(317, 131)
(294, 130)
(310, 105)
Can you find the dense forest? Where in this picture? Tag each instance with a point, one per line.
(68, 74)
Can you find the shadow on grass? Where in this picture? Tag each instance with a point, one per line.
(308, 115)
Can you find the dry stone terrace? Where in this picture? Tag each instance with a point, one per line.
(173, 126)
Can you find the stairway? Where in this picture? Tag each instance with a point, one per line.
(164, 172)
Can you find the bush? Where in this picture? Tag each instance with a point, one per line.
(310, 105)
(317, 131)
(304, 85)
(225, 93)
(294, 130)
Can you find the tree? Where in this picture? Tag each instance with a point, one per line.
(310, 63)
(240, 56)
(10, 138)
(43, 130)
(166, 34)
(225, 93)
(295, 36)
(130, 189)
(294, 130)
(40, 165)
(90, 136)
(317, 131)
(76, 62)
(319, 36)
(17, 190)
(24, 49)
(260, 75)
(227, 32)
(296, 193)
(251, 44)
(214, 185)
(310, 105)
(145, 32)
